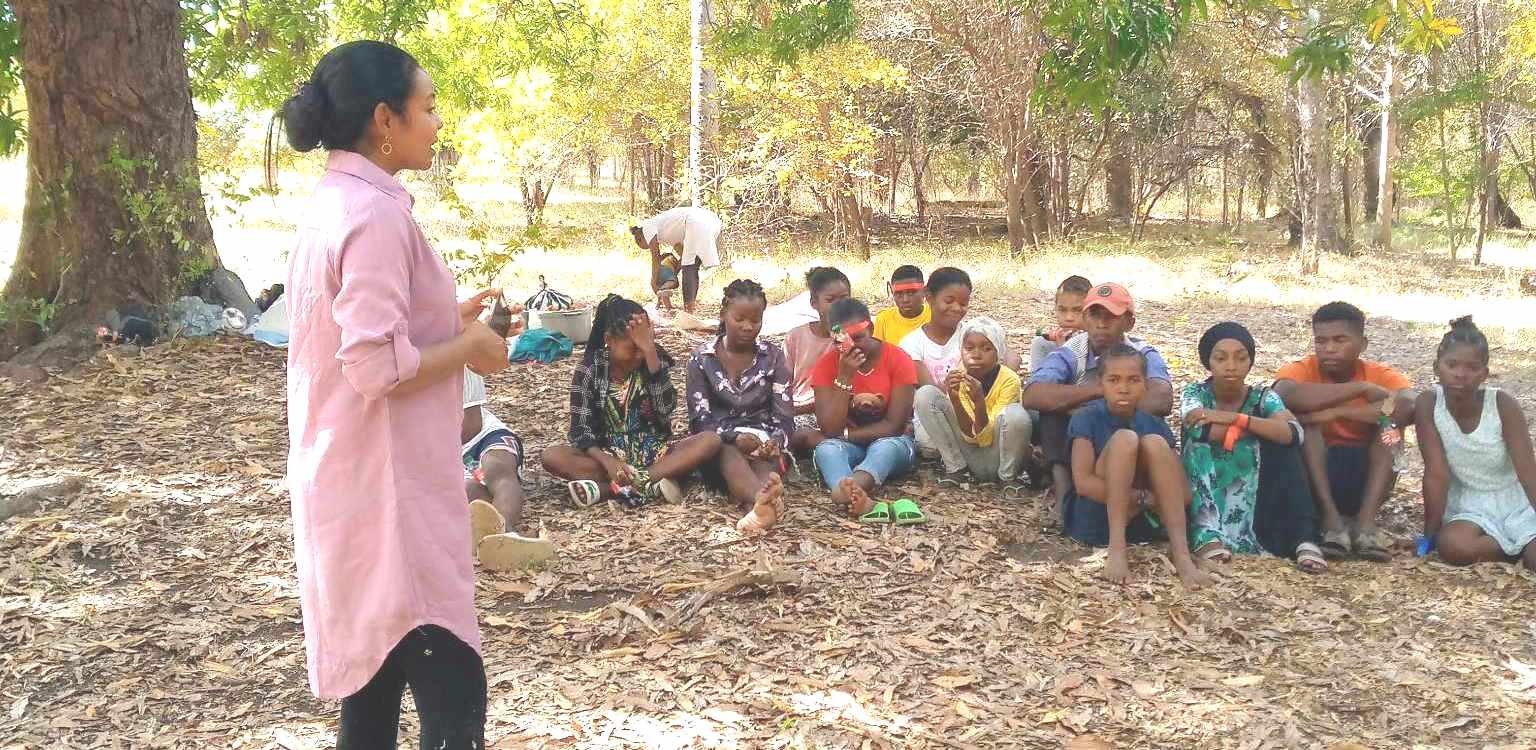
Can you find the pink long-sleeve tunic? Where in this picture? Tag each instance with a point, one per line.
(380, 523)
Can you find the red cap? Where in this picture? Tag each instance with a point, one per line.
(1112, 297)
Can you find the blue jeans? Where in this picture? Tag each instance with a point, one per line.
(885, 458)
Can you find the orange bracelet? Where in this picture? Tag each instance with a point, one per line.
(1234, 433)
(1242, 422)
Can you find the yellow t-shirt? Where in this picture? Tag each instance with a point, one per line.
(1005, 391)
(891, 327)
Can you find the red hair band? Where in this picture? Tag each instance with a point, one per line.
(907, 286)
(850, 330)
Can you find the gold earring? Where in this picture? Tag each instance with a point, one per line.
(388, 148)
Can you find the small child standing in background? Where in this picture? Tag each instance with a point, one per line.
(664, 277)
(911, 311)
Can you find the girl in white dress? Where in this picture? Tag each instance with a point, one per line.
(1479, 466)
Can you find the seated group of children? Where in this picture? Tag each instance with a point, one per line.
(1299, 468)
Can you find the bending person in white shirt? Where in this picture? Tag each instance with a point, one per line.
(693, 233)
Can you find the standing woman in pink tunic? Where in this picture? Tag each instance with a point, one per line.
(375, 368)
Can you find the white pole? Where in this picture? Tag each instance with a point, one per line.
(696, 98)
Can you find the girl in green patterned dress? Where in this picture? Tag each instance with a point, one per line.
(1226, 426)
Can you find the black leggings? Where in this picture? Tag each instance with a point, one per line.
(691, 281)
(447, 681)
(1285, 515)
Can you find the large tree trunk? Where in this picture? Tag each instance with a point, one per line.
(110, 126)
(1037, 204)
(1013, 193)
(1319, 232)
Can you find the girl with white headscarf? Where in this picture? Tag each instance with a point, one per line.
(974, 418)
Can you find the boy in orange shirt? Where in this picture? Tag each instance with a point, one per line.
(1353, 410)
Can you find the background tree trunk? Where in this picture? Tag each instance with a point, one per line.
(1391, 90)
(1319, 231)
(1370, 158)
(1346, 183)
(1485, 160)
(1501, 214)
(1117, 180)
(110, 124)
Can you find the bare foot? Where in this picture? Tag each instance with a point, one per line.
(1193, 577)
(857, 499)
(777, 496)
(1116, 569)
(767, 508)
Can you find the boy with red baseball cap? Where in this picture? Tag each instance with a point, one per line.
(1069, 378)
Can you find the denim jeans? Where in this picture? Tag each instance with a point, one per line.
(885, 458)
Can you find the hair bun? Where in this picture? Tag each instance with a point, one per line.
(1464, 321)
(304, 117)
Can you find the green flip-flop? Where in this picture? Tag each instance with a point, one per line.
(881, 513)
(907, 513)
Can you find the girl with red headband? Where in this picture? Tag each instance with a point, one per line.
(864, 392)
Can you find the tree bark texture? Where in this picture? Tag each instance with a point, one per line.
(1320, 231)
(1370, 158)
(1117, 182)
(114, 208)
(1391, 91)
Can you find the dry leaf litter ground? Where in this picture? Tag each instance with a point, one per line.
(158, 608)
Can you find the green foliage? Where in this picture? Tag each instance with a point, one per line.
(12, 127)
(812, 126)
(253, 53)
(1330, 44)
(1325, 48)
(1467, 91)
(156, 210)
(1093, 44)
(37, 312)
(792, 29)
